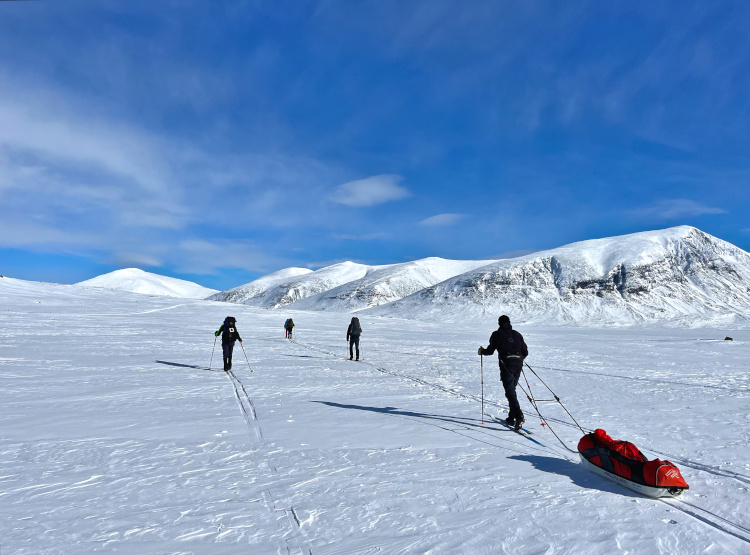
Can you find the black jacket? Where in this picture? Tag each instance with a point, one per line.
(510, 346)
(354, 329)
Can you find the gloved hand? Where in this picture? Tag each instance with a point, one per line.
(216, 333)
(479, 352)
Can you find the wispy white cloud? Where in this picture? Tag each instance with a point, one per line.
(39, 236)
(54, 158)
(135, 260)
(125, 195)
(671, 209)
(441, 220)
(363, 237)
(199, 256)
(370, 191)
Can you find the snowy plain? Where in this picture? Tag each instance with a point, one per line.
(115, 437)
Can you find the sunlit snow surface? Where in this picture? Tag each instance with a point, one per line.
(135, 280)
(116, 438)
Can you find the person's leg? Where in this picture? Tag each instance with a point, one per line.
(510, 381)
(356, 342)
(351, 347)
(226, 349)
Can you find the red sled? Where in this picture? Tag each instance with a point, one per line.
(622, 462)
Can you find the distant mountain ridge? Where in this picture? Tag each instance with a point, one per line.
(680, 274)
(385, 284)
(285, 287)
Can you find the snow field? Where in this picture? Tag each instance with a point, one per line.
(115, 436)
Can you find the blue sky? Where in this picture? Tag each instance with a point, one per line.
(219, 141)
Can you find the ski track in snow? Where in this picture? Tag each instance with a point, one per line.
(251, 419)
(705, 516)
(114, 437)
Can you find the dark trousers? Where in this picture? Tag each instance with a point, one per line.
(510, 381)
(227, 349)
(288, 333)
(353, 341)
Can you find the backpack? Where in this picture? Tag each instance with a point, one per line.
(289, 324)
(355, 327)
(510, 344)
(229, 332)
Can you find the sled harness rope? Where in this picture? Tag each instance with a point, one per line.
(534, 401)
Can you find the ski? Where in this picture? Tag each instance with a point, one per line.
(504, 423)
(523, 432)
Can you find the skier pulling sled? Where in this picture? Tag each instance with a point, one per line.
(622, 462)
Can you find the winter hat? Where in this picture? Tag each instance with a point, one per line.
(503, 320)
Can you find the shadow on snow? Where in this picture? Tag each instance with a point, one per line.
(475, 422)
(552, 465)
(179, 365)
(577, 474)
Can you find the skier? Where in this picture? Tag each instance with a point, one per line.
(511, 351)
(352, 336)
(229, 335)
(288, 326)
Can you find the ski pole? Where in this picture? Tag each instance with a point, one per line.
(248, 362)
(212, 354)
(481, 366)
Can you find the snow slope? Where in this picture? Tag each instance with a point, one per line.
(287, 286)
(146, 283)
(259, 288)
(124, 441)
(681, 274)
(386, 284)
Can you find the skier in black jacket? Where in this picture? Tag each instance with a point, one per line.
(352, 336)
(511, 351)
(229, 335)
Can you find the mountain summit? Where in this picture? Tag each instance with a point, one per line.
(138, 281)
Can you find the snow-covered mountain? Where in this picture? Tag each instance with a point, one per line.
(292, 284)
(385, 284)
(138, 281)
(260, 288)
(678, 274)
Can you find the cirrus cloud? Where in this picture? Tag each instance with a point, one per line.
(671, 209)
(441, 220)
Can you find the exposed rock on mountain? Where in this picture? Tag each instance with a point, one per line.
(287, 286)
(382, 285)
(680, 274)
